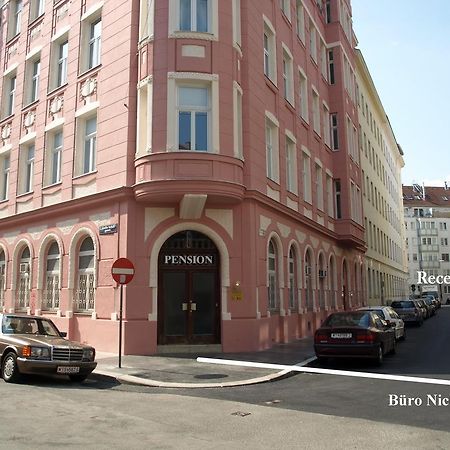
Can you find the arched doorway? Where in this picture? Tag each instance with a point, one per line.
(189, 290)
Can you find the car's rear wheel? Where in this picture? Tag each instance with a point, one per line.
(10, 370)
(77, 378)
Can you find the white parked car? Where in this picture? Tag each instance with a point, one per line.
(390, 316)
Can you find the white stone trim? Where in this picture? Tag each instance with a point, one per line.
(41, 260)
(272, 118)
(86, 109)
(290, 135)
(60, 33)
(305, 150)
(10, 69)
(92, 11)
(33, 52)
(27, 138)
(57, 123)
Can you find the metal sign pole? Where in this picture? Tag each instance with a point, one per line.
(120, 326)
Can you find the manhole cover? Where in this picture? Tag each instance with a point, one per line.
(210, 376)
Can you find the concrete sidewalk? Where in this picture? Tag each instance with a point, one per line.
(183, 371)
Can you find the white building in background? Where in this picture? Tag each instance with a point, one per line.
(427, 223)
(381, 164)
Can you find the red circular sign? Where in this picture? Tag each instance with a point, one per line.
(122, 270)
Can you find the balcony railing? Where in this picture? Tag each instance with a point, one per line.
(428, 232)
(431, 264)
(429, 248)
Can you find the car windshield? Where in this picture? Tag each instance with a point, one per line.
(361, 319)
(29, 325)
(403, 304)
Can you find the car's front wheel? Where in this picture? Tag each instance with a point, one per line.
(77, 378)
(10, 370)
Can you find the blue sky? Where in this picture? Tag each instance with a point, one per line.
(406, 45)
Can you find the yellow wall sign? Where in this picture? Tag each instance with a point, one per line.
(236, 292)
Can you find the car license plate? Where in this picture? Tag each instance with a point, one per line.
(67, 369)
(341, 335)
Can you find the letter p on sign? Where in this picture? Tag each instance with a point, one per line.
(122, 270)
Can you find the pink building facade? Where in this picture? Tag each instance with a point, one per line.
(213, 143)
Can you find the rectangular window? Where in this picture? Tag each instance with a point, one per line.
(272, 167)
(4, 176)
(444, 241)
(15, 18)
(90, 143)
(36, 9)
(328, 11)
(313, 42)
(238, 133)
(56, 157)
(326, 125)
(270, 68)
(194, 15)
(316, 112)
(95, 43)
(331, 76)
(323, 60)
(33, 82)
(288, 77)
(194, 118)
(9, 94)
(319, 187)
(337, 193)
(237, 22)
(334, 132)
(286, 8)
(307, 194)
(303, 91)
(330, 203)
(445, 257)
(58, 62)
(301, 21)
(146, 19)
(291, 166)
(26, 169)
(63, 53)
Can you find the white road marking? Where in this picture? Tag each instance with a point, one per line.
(345, 373)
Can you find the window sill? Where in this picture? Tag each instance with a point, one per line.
(36, 20)
(271, 84)
(6, 118)
(84, 178)
(25, 196)
(30, 105)
(87, 72)
(289, 105)
(304, 122)
(286, 18)
(201, 35)
(10, 41)
(52, 188)
(56, 90)
(301, 41)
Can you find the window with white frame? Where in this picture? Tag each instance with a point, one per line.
(14, 18)
(272, 268)
(272, 150)
(301, 21)
(319, 187)
(331, 75)
(288, 75)
(26, 169)
(52, 278)
(337, 197)
(195, 15)
(270, 68)
(86, 145)
(194, 111)
(293, 281)
(32, 75)
(9, 94)
(23, 279)
(146, 18)
(237, 122)
(53, 157)
(307, 194)
(91, 41)
(285, 6)
(330, 200)
(59, 62)
(313, 41)
(37, 8)
(144, 118)
(85, 277)
(326, 125)
(291, 166)
(4, 176)
(315, 111)
(303, 92)
(2, 278)
(323, 60)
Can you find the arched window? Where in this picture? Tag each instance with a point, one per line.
(2, 278)
(273, 275)
(23, 294)
(332, 282)
(293, 282)
(308, 281)
(322, 275)
(52, 278)
(85, 278)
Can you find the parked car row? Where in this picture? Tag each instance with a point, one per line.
(371, 332)
(34, 345)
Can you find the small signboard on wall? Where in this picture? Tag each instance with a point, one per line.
(108, 229)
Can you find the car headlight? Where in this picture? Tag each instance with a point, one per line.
(36, 352)
(88, 354)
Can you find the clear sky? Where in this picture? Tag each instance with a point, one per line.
(406, 45)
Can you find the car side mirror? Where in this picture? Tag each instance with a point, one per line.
(63, 334)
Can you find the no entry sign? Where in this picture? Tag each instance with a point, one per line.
(122, 270)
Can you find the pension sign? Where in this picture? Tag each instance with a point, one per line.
(189, 260)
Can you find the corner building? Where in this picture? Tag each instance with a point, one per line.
(213, 143)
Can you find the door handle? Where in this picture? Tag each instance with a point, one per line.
(184, 306)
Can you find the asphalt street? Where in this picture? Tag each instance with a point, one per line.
(344, 412)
